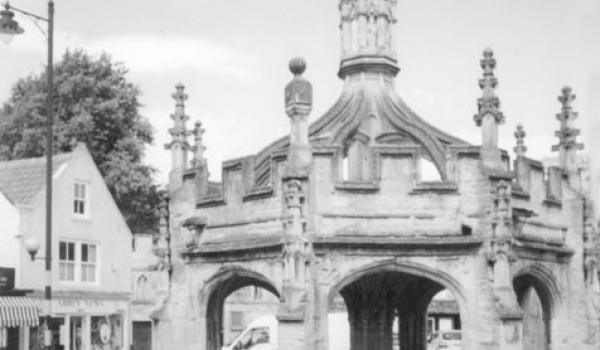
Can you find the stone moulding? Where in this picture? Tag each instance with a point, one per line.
(365, 215)
(236, 247)
(468, 151)
(258, 193)
(357, 186)
(552, 202)
(449, 243)
(359, 63)
(544, 238)
(518, 192)
(244, 222)
(541, 251)
(441, 187)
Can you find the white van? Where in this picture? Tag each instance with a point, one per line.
(261, 334)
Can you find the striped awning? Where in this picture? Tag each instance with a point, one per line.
(17, 312)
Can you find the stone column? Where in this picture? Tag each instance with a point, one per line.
(364, 326)
(386, 322)
(354, 320)
(295, 310)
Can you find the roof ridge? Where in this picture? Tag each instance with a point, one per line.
(40, 158)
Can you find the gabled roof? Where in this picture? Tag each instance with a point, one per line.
(21, 180)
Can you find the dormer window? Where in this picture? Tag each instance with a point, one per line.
(80, 199)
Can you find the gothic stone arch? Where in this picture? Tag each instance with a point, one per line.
(217, 288)
(539, 297)
(394, 288)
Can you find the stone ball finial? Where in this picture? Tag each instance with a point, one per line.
(488, 52)
(297, 65)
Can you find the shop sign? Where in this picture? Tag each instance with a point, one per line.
(7, 279)
(80, 302)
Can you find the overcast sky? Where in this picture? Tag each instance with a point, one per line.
(232, 56)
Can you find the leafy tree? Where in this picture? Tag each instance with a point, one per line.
(95, 104)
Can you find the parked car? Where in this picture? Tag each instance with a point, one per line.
(447, 340)
(261, 334)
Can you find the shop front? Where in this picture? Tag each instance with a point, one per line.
(86, 322)
(18, 313)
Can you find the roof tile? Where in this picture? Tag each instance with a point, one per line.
(21, 180)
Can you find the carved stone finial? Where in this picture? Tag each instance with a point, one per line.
(567, 133)
(520, 134)
(297, 65)
(298, 92)
(489, 103)
(179, 96)
(179, 132)
(566, 98)
(198, 147)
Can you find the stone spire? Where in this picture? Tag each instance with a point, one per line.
(179, 146)
(366, 28)
(520, 148)
(520, 165)
(489, 103)
(488, 115)
(198, 147)
(567, 134)
(298, 104)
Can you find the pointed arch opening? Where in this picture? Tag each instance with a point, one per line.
(231, 301)
(536, 294)
(393, 307)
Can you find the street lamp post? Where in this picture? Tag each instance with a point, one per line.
(8, 28)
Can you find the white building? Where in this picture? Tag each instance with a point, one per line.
(91, 244)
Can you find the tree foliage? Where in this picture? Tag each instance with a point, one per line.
(95, 104)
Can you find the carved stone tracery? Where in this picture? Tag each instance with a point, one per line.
(501, 255)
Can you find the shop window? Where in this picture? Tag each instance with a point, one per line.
(76, 330)
(66, 259)
(106, 332)
(80, 199)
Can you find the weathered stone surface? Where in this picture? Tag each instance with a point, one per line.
(340, 208)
